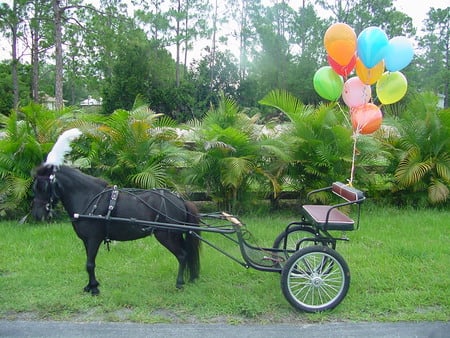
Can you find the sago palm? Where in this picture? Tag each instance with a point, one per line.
(422, 149)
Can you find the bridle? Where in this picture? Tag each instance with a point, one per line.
(53, 199)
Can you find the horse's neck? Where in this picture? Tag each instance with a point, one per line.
(79, 190)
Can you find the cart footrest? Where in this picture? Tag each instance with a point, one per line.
(337, 220)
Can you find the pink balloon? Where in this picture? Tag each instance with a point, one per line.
(356, 93)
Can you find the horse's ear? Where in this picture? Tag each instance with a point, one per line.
(43, 170)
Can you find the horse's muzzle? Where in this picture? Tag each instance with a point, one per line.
(41, 211)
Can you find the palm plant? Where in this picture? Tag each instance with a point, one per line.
(231, 158)
(422, 149)
(136, 148)
(27, 138)
(320, 142)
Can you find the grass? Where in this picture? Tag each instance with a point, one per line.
(398, 260)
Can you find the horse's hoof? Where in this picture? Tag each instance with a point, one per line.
(179, 286)
(93, 290)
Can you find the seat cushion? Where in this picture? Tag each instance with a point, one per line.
(336, 221)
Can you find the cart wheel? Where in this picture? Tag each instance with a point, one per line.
(315, 278)
(296, 235)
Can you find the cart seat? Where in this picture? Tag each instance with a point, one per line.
(329, 217)
(335, 220)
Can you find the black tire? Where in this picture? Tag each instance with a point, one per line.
(315, 278)
(296, 234)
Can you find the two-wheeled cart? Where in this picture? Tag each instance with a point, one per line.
(314, 276)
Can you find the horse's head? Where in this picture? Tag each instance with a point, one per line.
(45, 188)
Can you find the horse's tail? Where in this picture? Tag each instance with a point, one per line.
(192, 242)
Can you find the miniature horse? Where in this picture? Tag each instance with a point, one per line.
(81, 194)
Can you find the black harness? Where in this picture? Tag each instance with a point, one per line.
(113, 198)
(112, 205)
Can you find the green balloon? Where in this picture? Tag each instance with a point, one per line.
(328, 84)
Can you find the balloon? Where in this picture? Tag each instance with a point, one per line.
(399, 53)
(369, 75)
(355, 92)
(391, 87)
(366, 118)
(340, 43)
(372, 44)
(327, 83)
(342, 70)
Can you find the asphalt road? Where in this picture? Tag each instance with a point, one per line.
(335, 330)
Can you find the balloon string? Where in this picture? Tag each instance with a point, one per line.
(344, 113)
(352, 172)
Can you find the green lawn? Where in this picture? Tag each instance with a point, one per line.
(398, 259)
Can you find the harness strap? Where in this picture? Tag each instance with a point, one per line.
(163, 206)
(112, 205)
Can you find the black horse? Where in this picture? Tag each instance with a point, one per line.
(81, 194)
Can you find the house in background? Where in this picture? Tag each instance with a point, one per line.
(91, 105)
(48, 101)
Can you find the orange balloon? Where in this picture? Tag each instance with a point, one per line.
(340, 43)
(369, 75)
(366, 118)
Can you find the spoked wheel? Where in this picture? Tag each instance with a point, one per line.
(315, 278)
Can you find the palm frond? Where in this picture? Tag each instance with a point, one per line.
(235, 169)
(412, 168)
(438, 191)
(218, 145)
(154, 176)
(286, 102)
(443, 167)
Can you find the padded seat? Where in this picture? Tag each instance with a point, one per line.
(337, 220)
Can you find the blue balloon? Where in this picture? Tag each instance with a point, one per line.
(371, 46)
(399, 53)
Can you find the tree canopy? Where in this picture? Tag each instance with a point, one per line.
(179, 55)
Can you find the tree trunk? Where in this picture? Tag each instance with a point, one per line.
(178, 44)
(15, 61)
(186, 41)
(242, 42)
(447, 67)
(213, 50)
(35, 56)
(57, 10)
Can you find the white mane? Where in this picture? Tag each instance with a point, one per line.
(62, 147)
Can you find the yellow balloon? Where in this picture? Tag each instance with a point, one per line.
(369, 75)
(391, 87)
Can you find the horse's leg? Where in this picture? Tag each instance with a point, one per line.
(173, 241)
(91, 246)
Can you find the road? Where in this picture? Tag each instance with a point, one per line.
(335, 330)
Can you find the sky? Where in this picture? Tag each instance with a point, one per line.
(417, 10)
